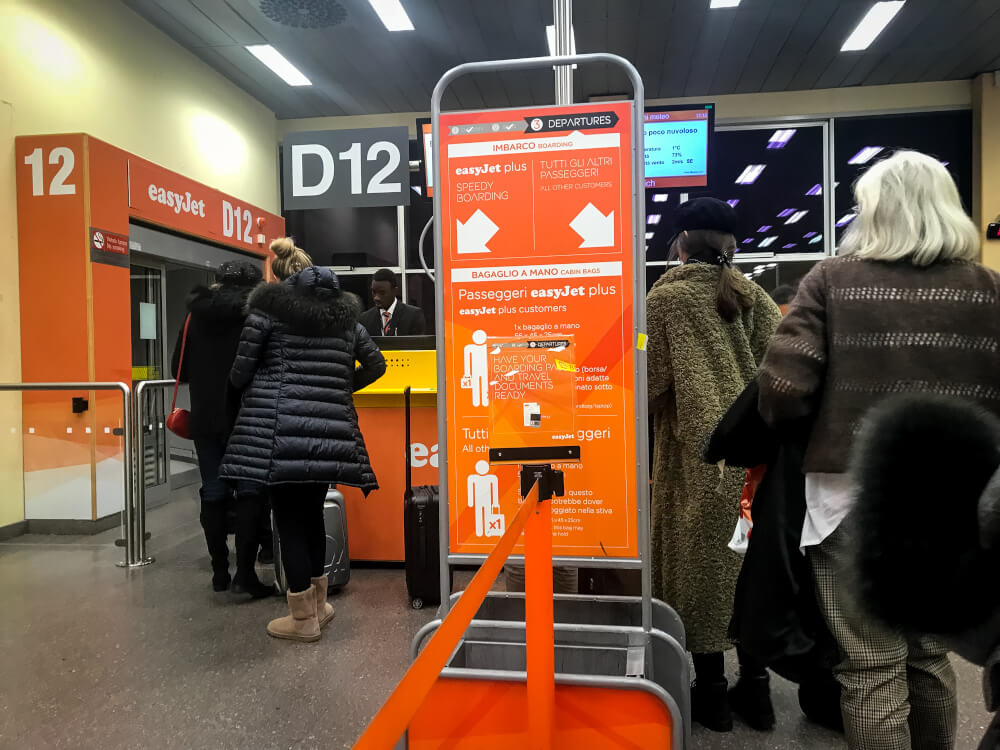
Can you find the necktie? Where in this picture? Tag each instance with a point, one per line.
(385, 322)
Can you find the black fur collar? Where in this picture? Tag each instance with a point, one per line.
(223, 304)
(311, 311)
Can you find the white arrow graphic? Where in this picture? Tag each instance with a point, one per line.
(475, 233)
(596, 229)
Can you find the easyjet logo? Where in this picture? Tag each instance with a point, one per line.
(420, 455)
(180, 203)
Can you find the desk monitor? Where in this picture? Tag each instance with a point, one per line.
(405, 343)
(677, 143)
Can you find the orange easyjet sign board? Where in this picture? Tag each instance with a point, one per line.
(171, 200)
(537, 245)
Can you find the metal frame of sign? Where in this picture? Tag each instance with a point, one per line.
(638, 323)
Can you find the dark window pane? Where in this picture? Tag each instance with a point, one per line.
(944, 135)
(359, 285)
(341, 236)
(420, 293)
(770, 274)
(780, 206)
(417, 215)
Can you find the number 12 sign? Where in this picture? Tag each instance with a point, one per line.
(327, 168)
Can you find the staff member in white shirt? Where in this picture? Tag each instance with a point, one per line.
(389, 316)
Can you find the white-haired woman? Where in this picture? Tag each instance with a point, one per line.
(906, 308)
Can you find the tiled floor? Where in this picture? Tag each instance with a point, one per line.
(95, 657)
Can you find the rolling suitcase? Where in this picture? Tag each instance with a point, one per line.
(421, 509)
(338, 559)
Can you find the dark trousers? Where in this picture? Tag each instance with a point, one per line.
(298, 514)
(210, 450)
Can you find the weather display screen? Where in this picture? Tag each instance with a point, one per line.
(676, 145)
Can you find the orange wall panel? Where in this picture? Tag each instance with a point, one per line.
(375, 523)
(108, 186)
(52, 247)
(76, 313)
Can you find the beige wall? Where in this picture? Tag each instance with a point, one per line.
(94, 66)
(735, 107)
(986, 160)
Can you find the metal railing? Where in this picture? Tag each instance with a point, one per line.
(139, 453)
(128, 469)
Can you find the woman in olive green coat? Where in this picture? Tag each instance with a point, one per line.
(708, 329)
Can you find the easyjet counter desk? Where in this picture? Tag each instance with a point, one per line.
(375, 523)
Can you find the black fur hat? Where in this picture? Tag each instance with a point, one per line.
(925, 547)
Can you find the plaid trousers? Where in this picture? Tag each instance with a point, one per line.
(897, 693)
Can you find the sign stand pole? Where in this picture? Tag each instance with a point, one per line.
(538, 603)
(562, 16)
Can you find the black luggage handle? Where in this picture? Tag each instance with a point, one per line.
(406, 408)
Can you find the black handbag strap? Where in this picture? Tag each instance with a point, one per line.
(180, 364)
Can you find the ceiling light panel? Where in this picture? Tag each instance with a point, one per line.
(749, 175)
(724, 3)
(392, 14)
(780, 138)
(873, 23)
(865, 155)
(277, 63)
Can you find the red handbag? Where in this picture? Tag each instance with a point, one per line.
(179, 421)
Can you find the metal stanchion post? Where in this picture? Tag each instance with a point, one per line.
(139, 456)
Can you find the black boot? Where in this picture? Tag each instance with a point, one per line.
(213, 522)
(751, 700)
(266, 537)
(249, 508)
(710, 707)
(819, 699)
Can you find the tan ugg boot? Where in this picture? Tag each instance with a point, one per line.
(324, 610)
(301, 624)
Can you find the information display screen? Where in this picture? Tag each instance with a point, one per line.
(677, 141)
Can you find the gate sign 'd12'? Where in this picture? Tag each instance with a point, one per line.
(537, 243)
(327, 168)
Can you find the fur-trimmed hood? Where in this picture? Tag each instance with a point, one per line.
(221, 303)
(926, 548)
(312, 309)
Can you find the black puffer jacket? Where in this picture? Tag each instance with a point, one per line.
(296, 360)
(217, 317)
